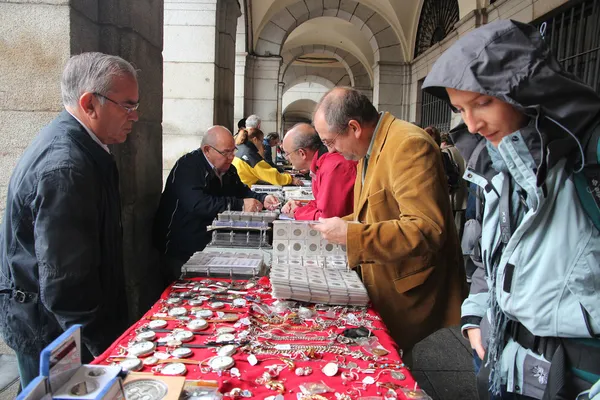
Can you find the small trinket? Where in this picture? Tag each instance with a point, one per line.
(182, 352)
(227, 350)
(303, 371)
(173, 300)
(330, 369)
(379, 351)
(221, 363)
(157, 324)
(178, 311)
(145, 336)
(197, 325)
(152, 360)
(225, 329)
(398, 375)
(183, 336)
(195, 302)
(252, 360)
(141, 349)
(239, 303)
(203, 314)
(174, 369)
(225, 337)
(217, 305)
(131, 364)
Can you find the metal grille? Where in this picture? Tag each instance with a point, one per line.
(437, 20)
(573, 34)
(435, 112)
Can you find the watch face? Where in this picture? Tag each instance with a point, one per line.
(131, 364)
(174, 369)
(217, 305)
(182, 352)
(157, 324)
(197, 325)
(148, 335)
(221, 363)
(183, 336)
(225, 329)
(150, 360)
(227, 350)
(239, 302)
(225, 337)
(177, 311)
(204, 314)
(174, 300)
(141, 348)
(195, 302)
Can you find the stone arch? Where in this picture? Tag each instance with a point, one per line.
(312, 89)
(328, 77)
(382, 37)
(360, 76)
(299, 111)
(436, 19)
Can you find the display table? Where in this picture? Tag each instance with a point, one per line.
(275, 348)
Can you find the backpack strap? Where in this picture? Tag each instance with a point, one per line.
(587, 182)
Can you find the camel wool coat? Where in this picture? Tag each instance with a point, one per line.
(402, 234)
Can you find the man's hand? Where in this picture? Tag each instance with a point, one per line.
(252, 205)
(333, 230)
(475, 339)
(290, 207)
(271, 202)
(297, 182)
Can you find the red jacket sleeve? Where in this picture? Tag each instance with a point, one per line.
(334, 191)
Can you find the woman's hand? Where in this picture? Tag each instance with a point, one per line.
(474, 335)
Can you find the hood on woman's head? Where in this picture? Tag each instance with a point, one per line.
(509, 60)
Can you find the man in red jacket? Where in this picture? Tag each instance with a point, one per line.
(332, 175)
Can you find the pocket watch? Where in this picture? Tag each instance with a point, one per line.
(203, 314)
(225, 329)
(221, 363)
(182, 352)
(239, 302)
(217, 305)
(174, 300)
(183, 336)
(195, 302)
(145, 336)
(131, 364)
(176, 369)
(177, 311)
(225, 337)
(196, 325)
(227, 350)
(157, 324)
(140, 349)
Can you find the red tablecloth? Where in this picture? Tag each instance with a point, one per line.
(379, 368)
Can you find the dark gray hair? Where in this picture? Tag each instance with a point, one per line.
(253, 121)
(93, 73)
(307, 137)
(342, 104)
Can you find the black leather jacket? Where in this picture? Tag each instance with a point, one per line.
(61, 258)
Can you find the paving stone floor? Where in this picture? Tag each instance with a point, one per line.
(9, 375)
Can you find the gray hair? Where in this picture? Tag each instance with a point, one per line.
(342, 104)
(93, 73)
(306, 137)
(253, 121)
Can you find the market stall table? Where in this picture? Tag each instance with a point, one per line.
(235, 334)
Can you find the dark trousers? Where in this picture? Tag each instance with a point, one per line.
(29, 367)
(171, 268)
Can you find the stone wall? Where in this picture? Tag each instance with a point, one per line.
(37, 39)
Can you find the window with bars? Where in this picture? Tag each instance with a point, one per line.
(435, 112)
(573, 34)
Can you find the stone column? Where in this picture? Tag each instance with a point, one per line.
(391, 91)
(262, 91)
(240, 69)
(37, 41)
(199, 63)
(280, 88)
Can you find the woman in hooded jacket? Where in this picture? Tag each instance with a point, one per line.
(533, 313)
(251, 165)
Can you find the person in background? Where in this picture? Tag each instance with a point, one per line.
(332, 175)
(272, 140)
(402, 232)
(250, 164)
(253, 121)
(201, 184)
(459, 194)
(533, 314)
(61, 244)
(241, 126)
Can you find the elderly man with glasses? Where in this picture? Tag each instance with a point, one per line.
(61, 258)
(201, 184)
(332, 175)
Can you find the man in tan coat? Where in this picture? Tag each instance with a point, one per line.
(402, 233)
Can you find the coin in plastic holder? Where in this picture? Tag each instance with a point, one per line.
(221, 363)
(157, 324)
(140, 349)
(174, 300)
(225, 329)
(177, 311)
(131, 364)
(182, 352)
(175, 369)
(183, 336)
(217, 305)
(203, 314)
(145, 336)
(227, 350)
(225, 337)
(148, 389)
(196, 325)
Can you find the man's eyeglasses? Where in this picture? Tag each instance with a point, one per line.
(225, 153)
(128, 109)
(330, 142)
(287, 155)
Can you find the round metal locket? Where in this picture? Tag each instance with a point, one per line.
(157, 324)
(182, 352)
(225, 337)
(178, 311)
(196, 325)
(141, 348)
(174, 369)
(227, 350)
(203, 314)
(131, 364)
(221, 363)
(150, 389)
(217, 305)
(147, 335)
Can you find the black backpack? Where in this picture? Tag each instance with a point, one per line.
(452, 172)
